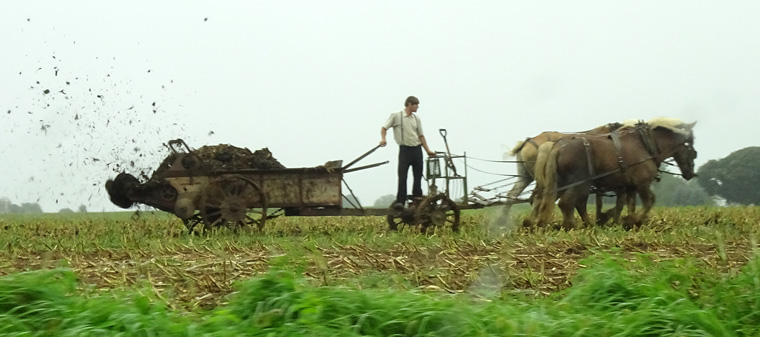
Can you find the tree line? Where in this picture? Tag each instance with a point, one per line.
(7, 207)
(734, 179)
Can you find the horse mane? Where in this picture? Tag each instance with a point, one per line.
(673, 124)
(630, 123)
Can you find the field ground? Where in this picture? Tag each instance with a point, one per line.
(110, 252)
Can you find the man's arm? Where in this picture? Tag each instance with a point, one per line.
(425, 146)
(390, 123)
(382, 136)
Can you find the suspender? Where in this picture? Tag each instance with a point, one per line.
(401, 123)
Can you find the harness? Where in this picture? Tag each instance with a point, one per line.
(615, 136)
(590, 164)
(646, 136)
(533, 142)
(649, 143)
(616, 141)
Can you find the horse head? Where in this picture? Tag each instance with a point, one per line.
(685, 153)
(685, 159)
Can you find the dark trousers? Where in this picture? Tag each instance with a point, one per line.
(409, 156)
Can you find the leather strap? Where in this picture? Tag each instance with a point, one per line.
(646, 136)
(586, 144)
(401, 122)
(616, 140)
(531, 141)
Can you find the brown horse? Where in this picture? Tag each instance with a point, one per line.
(526, 154)
(624, 161)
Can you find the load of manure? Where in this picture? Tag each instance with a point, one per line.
(226, 157)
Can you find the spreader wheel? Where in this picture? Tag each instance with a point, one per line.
(438, 211)
(234, 201)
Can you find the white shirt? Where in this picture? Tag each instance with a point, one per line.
(406, 129)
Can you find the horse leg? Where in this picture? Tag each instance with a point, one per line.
(532, 219)
(626, 198)
(580, 205)
(614, 213)
(567, 207)
(523, 180)
(647, 201)
(570, 201)
(600, 216)
(631, 198)
(537, 216)
(546, 191)
(535, 209)
(620, 200)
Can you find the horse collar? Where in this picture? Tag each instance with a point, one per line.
(649, 142)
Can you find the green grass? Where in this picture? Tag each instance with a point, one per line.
(613, 297)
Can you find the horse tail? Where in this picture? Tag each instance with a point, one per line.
(541, 161)
(547, 158)
(517, 147)
(538, 193)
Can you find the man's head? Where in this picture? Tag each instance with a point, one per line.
(412, 103)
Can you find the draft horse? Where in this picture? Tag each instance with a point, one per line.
(625, 160)
(526, 154)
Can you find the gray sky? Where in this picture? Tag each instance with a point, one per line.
(313, 81)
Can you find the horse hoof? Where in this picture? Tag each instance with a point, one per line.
(630, 223)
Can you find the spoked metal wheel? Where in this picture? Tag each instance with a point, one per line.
(401, 218)
(438, 211)
(233, 201)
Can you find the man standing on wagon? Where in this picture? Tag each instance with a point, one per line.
(407, 131)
